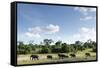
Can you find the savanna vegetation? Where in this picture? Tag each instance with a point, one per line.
(48, 50)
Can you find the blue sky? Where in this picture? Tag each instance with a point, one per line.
(66, 23)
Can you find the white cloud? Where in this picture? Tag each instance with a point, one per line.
(82, 10)
(85, 9)
(29, 34)
(51, 29)
(86, 18)
(85, 13)
(84, 29)
(93, 9)
(85, 33)
(37, 31)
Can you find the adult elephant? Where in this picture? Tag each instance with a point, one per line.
(49, 57)
(62, 56)
(35, 57)
(87, 54)
(72, 55)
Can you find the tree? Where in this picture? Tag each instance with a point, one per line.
(86, 45)
(94, 46)
(89, 44)
(74, 48)
(65, 48)
(27, 49)
(94, 49)
(21, 49)
(32, 46)
(58, 43)
(45, 50)
(24, 49)
(21, 43)
(78, 42)
(56, 50)
(31, 42)
(47, 41)
(79, 46)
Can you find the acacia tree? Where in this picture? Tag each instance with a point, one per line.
(47, 41)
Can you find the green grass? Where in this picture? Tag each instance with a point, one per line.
(80, 56)
(55, 60)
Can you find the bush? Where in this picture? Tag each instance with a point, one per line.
(65, 48)
(94, 49)
(56, 50)
(45, 50)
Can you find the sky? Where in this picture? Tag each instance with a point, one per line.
(65, 23)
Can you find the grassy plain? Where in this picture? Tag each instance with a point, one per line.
(80, 56)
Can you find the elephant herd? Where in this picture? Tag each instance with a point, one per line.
(60, 56)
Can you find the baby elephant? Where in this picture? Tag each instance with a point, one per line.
(49, 57)
(35, 57)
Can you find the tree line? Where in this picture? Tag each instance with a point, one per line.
(57, 47)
